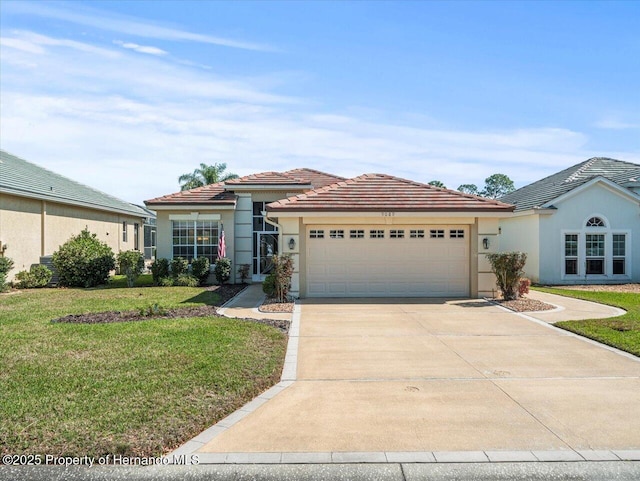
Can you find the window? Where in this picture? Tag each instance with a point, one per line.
(195, 239)
(594, 244)
(136, 236)
(619, 253)
(456, 234)
(436, 233)
(396, 233)
(416, 234)
(595, 222)
(124, 231)
(376, 234)
(336, 234)
(356, 234)
(571, 254)
(316, 234)
(259, 224)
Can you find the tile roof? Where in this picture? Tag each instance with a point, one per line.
(316, 178)
(212, 194)
(23, 178)
(380, 192)
(266, 178)
(552, 187)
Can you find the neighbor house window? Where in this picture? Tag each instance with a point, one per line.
(316, 234)
(595, 222)
(136, 236)
(619, 253)
(376, 234)
(124, 231)
(416, 234)
(571, 254)
(336, 234)
(456, 234)
(396, 234)
(193, 239)
(436, 233)
(356, 234)
(594, 244)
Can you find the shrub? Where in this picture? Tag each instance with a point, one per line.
(269, 285)
(6, 264)
(165, 282)
(243, 271)
(222, 270)
(186, 280)
(278, 282)
(200, 269)
(523, 286)
(131, 264)
(179, 265)
(507, 266)
(83, 261)
(37, 276)
(159, 270)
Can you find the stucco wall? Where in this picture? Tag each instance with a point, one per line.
(523, 234)
(621, 213)
(33, 228)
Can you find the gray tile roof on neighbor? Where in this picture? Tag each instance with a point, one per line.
(25, 179)
(552, 187)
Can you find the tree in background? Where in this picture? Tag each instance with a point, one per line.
(205, 175)
(495, 186)
(437, 183)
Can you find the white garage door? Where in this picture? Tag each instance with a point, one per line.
(380, 261)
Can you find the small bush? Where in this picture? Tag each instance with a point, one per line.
(159, 269)
(222, 270)
(179, 265)
(243, 272)
(165, 281)
(186, 280)
(84, 261)
(6, 264)
(131, 264)
(37, 276)
(200, 269)
(523, 287)
(153, 310)
(269, 285)
(507, 266)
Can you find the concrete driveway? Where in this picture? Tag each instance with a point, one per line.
(420, 375)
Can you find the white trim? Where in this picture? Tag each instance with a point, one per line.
(612, 186)
(191, 207)
(469, 214)
(194, 216)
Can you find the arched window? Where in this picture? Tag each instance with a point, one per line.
(595, 222)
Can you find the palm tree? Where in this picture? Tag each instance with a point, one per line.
(205, 175)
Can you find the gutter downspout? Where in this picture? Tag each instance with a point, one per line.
(277, 226)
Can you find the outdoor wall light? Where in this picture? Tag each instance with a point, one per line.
(292, 244)
(485, 243)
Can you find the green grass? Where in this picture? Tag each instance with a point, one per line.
(144, 280)
(622, 332)
(135, 388)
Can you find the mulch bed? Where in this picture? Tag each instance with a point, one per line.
(524, 305)
(226, 292)
(272, 305)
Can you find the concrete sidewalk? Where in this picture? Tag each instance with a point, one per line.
(245, 305)
(570, 309)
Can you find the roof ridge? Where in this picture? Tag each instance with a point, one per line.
(576, 174)
(316, 172)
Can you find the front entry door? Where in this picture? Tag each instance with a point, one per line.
(265, 247)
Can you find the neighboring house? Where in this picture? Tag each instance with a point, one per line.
(374, 235)
(581, 225)
(40, 210)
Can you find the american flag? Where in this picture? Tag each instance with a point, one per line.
(222, 247)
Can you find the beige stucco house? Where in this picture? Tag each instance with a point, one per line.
(373, 235)
(40, 210)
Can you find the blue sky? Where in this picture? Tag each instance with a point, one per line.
(126, 96)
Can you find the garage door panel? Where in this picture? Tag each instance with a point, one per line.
(406, 267)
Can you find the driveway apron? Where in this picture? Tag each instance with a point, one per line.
(385, 375)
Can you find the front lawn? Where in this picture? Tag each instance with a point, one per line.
(622, 332)
(133, 388)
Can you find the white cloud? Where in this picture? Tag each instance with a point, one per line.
(104, 20)
(613, 123)
(141, 48)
